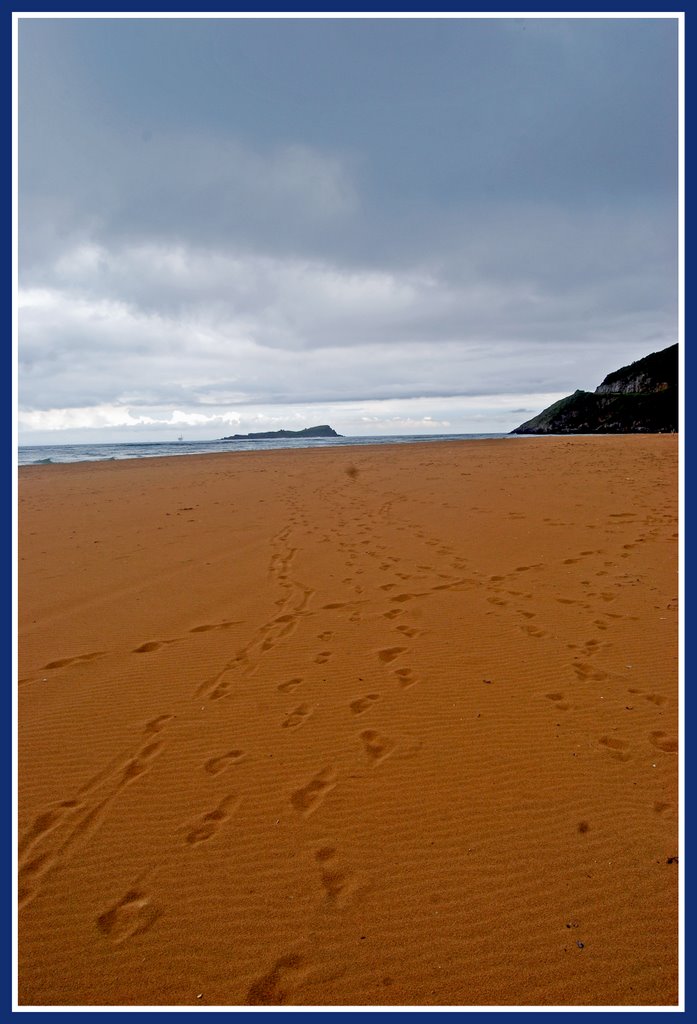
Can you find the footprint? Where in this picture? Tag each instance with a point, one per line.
(390, 653)
(63, 662)
(156, 725)
(533, 631)
(307, 800)
(277, 986)
(216, 765)
(409, 631)
(45, 823)
(30, 874)
(405, 677)
(327, 635)
(618, 749)
(664, 742)
(221, 691)
(323, 657)
(660, 806)
(392, 614)
(297, 717)
(338, 885)
(656, 698)
(211, 822)
(325, 853)
(134, 914)
(585, 671)
(151, 645)
(559, 701)
(212, 625)
(376, 747)
(291, 685)
(139, 764)
(361, 705)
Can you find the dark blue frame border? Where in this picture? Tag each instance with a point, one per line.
(6, 1011)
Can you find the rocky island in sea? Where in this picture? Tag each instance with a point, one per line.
(641, 398)
(324, 430)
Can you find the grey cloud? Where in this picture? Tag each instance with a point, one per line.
(228, 213)
(85, 350)
(431, 116)
(186, 187)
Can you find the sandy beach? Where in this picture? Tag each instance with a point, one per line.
(374, 726)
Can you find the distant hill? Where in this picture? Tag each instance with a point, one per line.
(322, 431)
(639, 398)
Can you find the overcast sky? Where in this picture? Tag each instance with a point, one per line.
(393, 226)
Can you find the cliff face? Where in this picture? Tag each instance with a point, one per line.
(639, 398)
(642, 384)
(656, 372)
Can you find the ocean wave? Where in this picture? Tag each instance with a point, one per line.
(147, 450)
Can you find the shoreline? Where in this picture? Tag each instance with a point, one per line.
(258, 447)
(159, 449)
(412, 706)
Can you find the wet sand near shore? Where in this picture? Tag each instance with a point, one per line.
(379, 726)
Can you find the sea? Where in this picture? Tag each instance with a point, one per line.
(48, 454)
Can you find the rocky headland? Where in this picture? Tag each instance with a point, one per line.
(324, 430)
(641, 398)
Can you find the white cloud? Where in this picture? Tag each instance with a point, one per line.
(463, 414)
(145, 325)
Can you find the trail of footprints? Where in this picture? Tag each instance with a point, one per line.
(292, 605)
(291, 608)
(339, 885)
(137, 911)
(617, 748)
(58, 830)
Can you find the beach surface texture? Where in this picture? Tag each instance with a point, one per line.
(381, 726)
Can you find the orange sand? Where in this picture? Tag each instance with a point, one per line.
(371, 726)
